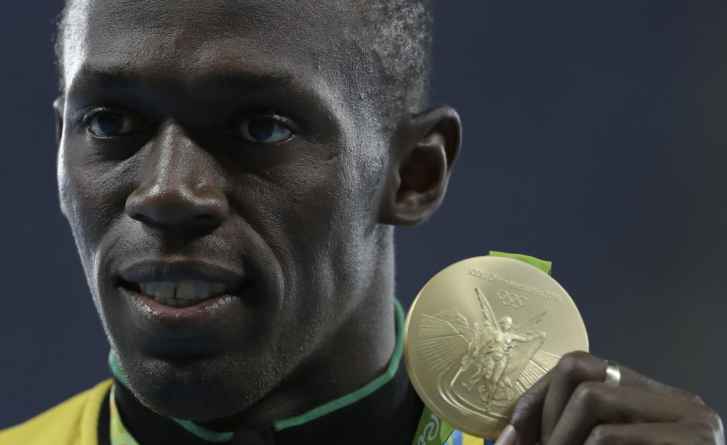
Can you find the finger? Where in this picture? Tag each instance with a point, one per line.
(577, 367)
(528, 411)
(652, 433)
(573, 369)
(534, 418)
(531, 419)
(595, 403)
(629, 377)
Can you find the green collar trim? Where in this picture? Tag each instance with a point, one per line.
(198, 430)
(315, 413)
(360, 393)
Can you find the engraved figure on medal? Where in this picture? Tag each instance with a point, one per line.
(483, 366)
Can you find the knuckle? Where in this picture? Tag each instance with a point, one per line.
(698, 400)
(521, 413)
(572, 364)
(526, 402)
(713, 421)
(587, 395)
(707, 427)
(704, 432)
(601, 435)
(520, 422)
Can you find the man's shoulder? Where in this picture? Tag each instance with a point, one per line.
(72, 422)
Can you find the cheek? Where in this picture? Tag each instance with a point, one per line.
(86, 193)
(294, 206)
(321, 214)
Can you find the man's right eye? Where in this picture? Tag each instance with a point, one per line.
(105, 123)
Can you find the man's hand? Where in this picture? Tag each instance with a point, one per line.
(572, 405)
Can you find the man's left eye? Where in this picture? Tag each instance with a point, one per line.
(104, 123)
(265, 129)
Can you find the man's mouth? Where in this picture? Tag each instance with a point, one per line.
(180, 283)
(179, 293)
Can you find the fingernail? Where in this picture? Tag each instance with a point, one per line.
(507, 437)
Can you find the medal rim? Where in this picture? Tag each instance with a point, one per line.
(410, 368)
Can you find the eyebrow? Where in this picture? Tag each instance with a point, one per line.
(115, 80)
(119, 77)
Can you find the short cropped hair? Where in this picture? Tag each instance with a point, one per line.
(397, 41)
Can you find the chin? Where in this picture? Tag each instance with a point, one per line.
(202, 390)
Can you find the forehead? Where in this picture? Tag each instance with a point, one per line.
(188, 39)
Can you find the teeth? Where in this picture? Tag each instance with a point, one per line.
(181, 293)
(207, 288)
(159, 289)
(186, 290)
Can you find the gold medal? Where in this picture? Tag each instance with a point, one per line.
(480, 333)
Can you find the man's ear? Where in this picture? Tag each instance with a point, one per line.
(58, 116)
(422, 158)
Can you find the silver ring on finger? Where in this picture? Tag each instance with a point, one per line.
(613, 375)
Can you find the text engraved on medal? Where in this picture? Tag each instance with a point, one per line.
(517, 299)
(482, 366)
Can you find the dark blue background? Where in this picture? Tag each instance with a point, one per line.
(594, 136)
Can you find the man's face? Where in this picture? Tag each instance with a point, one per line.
(228, 133)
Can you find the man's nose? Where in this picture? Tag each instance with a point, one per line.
(180, 189)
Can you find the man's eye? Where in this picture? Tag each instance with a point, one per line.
(109, 124)
(267, 129)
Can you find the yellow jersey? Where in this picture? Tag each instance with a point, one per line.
(72, 422)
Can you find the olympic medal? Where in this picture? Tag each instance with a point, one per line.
(480, 333)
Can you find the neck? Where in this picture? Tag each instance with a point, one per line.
(354, 355)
